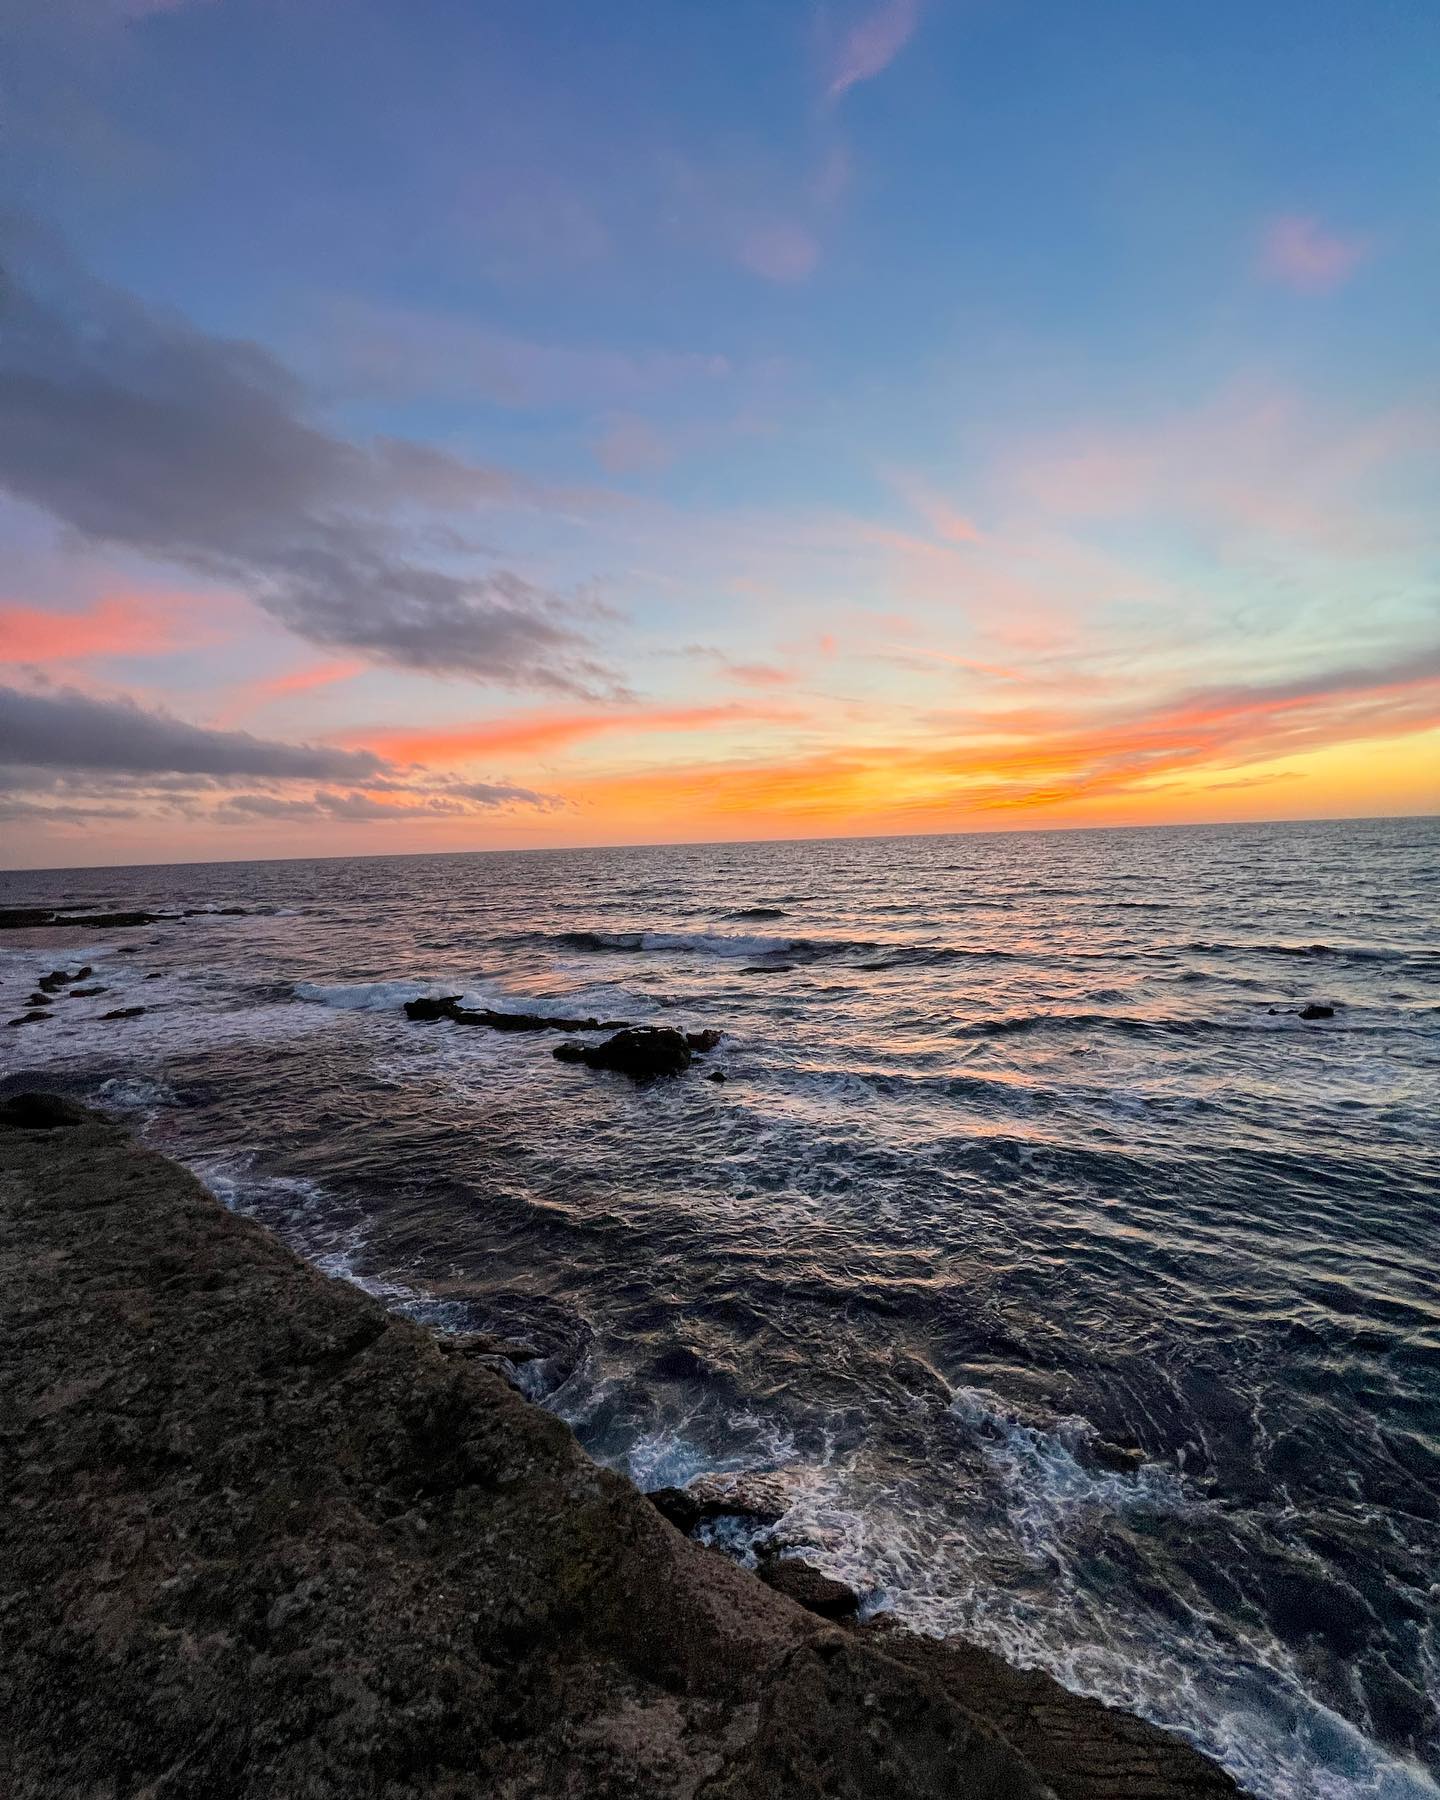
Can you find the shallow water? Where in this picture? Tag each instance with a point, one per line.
(1013, 1158)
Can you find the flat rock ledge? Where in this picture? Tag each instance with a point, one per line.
(260, 1538)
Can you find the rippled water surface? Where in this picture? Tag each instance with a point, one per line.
(1023, 1152)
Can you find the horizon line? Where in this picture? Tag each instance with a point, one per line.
(843, 837)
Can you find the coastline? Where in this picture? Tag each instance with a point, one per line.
(265, 1537)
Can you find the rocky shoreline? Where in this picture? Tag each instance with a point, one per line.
(260, 1537)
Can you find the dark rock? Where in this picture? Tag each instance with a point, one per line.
(124, 1012)
(716, 1075)
(767, 968)
(758, 912)
(701, 1041)
(762, 1499)
(807, 1586)
(155, 975)
(84, 993)
(40, 1112)
(31, 1018)
(569, 1052)
(643, 1052)
(25, 918)
(506, 1021)
(1315, 1011)
(116, 920)
(128, 950)
(423, 1011)
(679, 1506)
(1121, 1459)
(38, 1000)
(57, 978)
(83, 974)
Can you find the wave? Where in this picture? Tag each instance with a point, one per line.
(710, 943)
(1416, 957)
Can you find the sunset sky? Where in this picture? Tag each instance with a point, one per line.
(466, 424)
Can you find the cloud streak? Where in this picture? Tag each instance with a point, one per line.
(869, 47)
(534, 734)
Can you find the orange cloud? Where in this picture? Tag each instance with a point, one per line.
(117, 625)
(1301, 253)
(522, 734)
(1031, 761)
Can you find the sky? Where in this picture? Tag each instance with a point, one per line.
(458, 424)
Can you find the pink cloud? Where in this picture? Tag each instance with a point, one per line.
(785, 253)
(870, 46)
(117, 625)
(1300, 253)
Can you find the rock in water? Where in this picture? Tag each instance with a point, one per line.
(1315, 1011)
(702, 1041)
(803, 1583)
(124, 1012)
(643, 1052)
(423, 1011)
(31, 1018)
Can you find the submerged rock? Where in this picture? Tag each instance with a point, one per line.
(807, 1586)
(85, 993)
(717, 1075)
(643, 1052)
(1315, 1011)
(124, 1012)
(31, 1018)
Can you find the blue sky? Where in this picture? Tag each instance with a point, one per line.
(866, 349)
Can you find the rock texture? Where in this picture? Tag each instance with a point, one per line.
(259, 1538)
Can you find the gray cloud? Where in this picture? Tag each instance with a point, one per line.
(66, 729)
(454, 801)
(135, 429)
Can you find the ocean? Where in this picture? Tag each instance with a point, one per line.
(1081, 1295)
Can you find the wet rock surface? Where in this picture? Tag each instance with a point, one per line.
(260, 1538)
